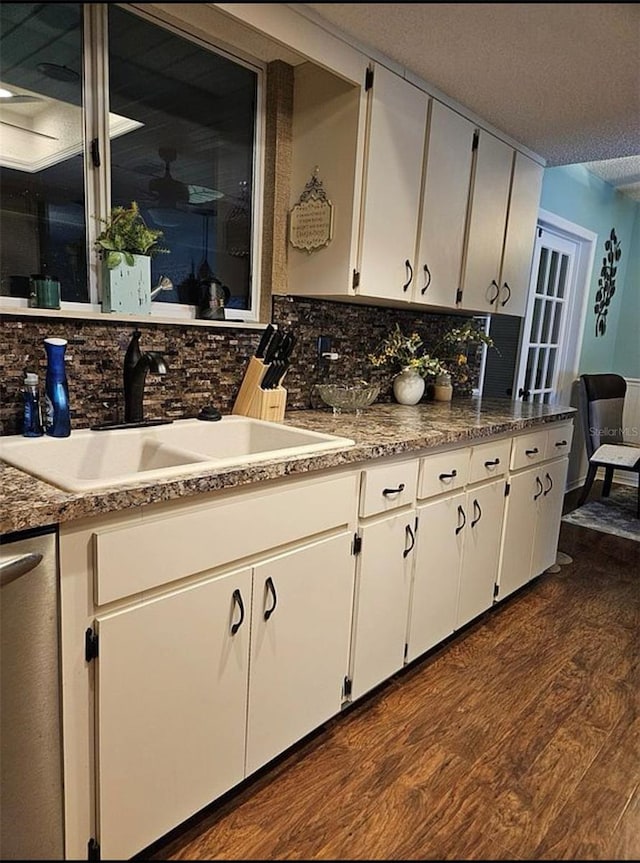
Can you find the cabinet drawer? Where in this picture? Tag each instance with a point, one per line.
(444, 472)
(388, 487)
(559, 440)
(159, 549)
(528, 449)
(489, 460)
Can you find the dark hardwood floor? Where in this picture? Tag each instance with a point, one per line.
(519, 739)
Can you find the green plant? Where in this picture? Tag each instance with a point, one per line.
(126, 234)
(399, 351)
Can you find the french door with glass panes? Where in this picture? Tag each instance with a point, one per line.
(545, 325)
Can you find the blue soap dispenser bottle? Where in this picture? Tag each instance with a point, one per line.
(57, 414)
(32, 417)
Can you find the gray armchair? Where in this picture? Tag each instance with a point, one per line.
(601, 407)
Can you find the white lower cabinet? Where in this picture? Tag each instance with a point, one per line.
(481, 551)
(383, 582)
(171, 692)
(436, 577)
(185, 682)
(553, 476)
(456, 563)
(532, 524)
(200, 662)
(300, 631)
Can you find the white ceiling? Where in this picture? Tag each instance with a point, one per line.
(563, 79)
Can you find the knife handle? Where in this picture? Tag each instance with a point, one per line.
(264, 341)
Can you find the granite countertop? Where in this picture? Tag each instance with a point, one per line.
(381, 430)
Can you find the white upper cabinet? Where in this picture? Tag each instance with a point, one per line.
(501, 227)
(444, 209)
(487, 220)
(428, 210)
(391, 194)
(524, 201)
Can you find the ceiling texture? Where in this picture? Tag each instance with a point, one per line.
(563, 79)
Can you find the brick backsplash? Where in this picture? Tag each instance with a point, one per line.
(206, 366)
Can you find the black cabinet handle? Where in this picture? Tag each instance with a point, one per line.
(524, 394)
(538, 482)
(407, 264)
(95, 152)
(448, 475)
(411, 535)
(270, 589)
(494, 284)
(464, 520)
(427, 276)
(492, 463)
(547, 490)
(237, 598)
(561, 443)
(387, 491)
(504, 302)
(533, 451)
(476, 508)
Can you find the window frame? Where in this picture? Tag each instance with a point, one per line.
(97, 179)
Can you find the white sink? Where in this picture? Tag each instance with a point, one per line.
(89, 460)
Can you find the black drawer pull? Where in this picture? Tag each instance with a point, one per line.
(387, 491)
(412, 536)
(448, 475)
(508, 297)
(492, 463)
(547, 490)
(270, 588)
(464, 520)
(427, 279)
(237, 598)
(494, 284)
(533, 451)
(539, 483)
(407, 264)
(476, 509)
(561, 443)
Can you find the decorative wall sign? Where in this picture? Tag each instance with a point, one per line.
(311, 219)
(607, 282)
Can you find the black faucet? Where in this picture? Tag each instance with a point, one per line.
(136, 366)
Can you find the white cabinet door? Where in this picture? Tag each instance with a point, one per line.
(300, 633)
(519, 530)
(520, 235)
(171, 709)
(488, 216)
(383, 582)
(484, 510)
(554, 478)
(398, 115)
(444, 208)
(434, 594)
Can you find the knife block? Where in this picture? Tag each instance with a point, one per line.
(253, 401)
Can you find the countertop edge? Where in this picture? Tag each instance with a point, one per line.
(27, 502)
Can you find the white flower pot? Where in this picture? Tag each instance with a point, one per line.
(408, 387)
(127, 289)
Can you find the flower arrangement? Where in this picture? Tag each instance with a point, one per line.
(126, 234)
(399, 351)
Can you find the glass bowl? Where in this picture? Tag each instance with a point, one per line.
(350, 398)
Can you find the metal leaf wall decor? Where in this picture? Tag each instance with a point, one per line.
(607, 282)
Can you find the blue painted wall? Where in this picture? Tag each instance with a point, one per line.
(575, 194)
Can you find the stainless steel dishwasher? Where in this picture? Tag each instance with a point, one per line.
(31, 808)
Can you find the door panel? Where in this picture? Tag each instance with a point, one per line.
(171, 707)
(299, 644)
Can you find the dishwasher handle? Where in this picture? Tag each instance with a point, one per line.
(14, 567)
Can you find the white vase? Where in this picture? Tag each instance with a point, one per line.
(127, 289)
(408, 387)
